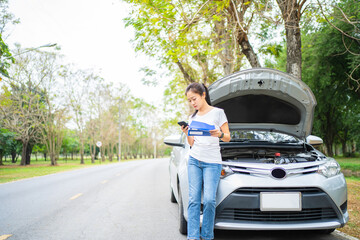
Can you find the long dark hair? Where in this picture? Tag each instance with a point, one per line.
(200, 89)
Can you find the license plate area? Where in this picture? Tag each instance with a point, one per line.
(280, 201)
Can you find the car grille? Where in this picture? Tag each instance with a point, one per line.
(257, 215)
(268, 172)
(243, 205)
(258, 190)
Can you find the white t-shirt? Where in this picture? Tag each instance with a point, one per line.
(207, 148)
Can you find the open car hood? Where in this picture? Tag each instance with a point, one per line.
(265, 99)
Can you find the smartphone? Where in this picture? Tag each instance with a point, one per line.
(182, 123)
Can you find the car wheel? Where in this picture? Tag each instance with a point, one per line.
(182, 220)
(172, 198)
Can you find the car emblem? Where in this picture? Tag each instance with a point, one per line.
(278, 173)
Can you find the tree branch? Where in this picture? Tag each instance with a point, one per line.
(341, 31)
(185, 74)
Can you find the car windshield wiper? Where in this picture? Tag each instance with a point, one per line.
(240, 140)
(247, 140)
(288, 141)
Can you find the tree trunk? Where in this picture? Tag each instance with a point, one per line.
(242, 37)
(353, 148)
(92, 152)
(1, 157)
(329, 147)
(102, 153)
(186, 75)
(28, 153)
(13, 156)
(110, 152)
(248, 50)
(226, 55)
(291, 14)
(82, 152)
(293, 39)
(52, 159)
(343, 147)
(23, 153)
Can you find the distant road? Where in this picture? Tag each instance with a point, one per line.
(115, 201)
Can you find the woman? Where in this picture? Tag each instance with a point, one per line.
(204, 166)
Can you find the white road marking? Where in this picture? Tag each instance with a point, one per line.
(3, 237)
(76, 196)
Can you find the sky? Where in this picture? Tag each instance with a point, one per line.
(91, 34)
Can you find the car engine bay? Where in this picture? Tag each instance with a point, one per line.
(270, 155)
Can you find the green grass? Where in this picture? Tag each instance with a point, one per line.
(13, 171)
(9, 174)
(352, 178)
(352, 164)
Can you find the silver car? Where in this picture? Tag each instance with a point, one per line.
(273, 177)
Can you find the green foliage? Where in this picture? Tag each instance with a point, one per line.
(6, 18)
(6, 139)
(194, 34)
(150, 77)
(5, 58)
(325, 64)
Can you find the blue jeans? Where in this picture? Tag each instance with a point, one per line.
(208, 174)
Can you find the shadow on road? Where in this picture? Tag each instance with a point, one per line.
(272, 235)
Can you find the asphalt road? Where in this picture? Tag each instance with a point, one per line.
(118, 201)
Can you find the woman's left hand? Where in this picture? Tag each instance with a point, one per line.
(215, 133)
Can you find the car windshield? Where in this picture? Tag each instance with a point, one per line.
(261, 136)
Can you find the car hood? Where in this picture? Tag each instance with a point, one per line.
(265, 99)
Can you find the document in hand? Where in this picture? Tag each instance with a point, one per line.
(200, 129)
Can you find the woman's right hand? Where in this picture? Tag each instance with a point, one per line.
(185, 129)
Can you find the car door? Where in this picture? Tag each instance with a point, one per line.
(176, 155)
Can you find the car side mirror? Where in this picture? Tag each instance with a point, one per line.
(314, 140)
(174, 141)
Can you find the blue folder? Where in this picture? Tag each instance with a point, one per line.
(200, 129)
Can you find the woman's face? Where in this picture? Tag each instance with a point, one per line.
(195, 99)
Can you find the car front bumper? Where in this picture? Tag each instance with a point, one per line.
(324, 203)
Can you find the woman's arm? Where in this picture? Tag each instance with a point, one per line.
(223, 129)
(189, 138)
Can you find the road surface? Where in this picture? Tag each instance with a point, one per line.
(128, 200)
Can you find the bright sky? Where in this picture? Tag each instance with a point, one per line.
(91, 34)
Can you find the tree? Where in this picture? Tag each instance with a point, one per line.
(344, 17)
(6, 19)
(21, 106)
(291, 12)
(325, 64)
(27, 97)
(53, 132)
(77, 84)
(197, 37)
(6, 139)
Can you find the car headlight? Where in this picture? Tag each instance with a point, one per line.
(330, 168)
(226, 171)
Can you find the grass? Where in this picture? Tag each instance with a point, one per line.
(353, 226)
(13, 171)
(350, 167)
(352, 164)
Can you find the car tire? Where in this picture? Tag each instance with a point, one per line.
(172, 198)
(182, 220)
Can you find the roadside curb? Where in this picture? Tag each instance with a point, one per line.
(344, 235)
